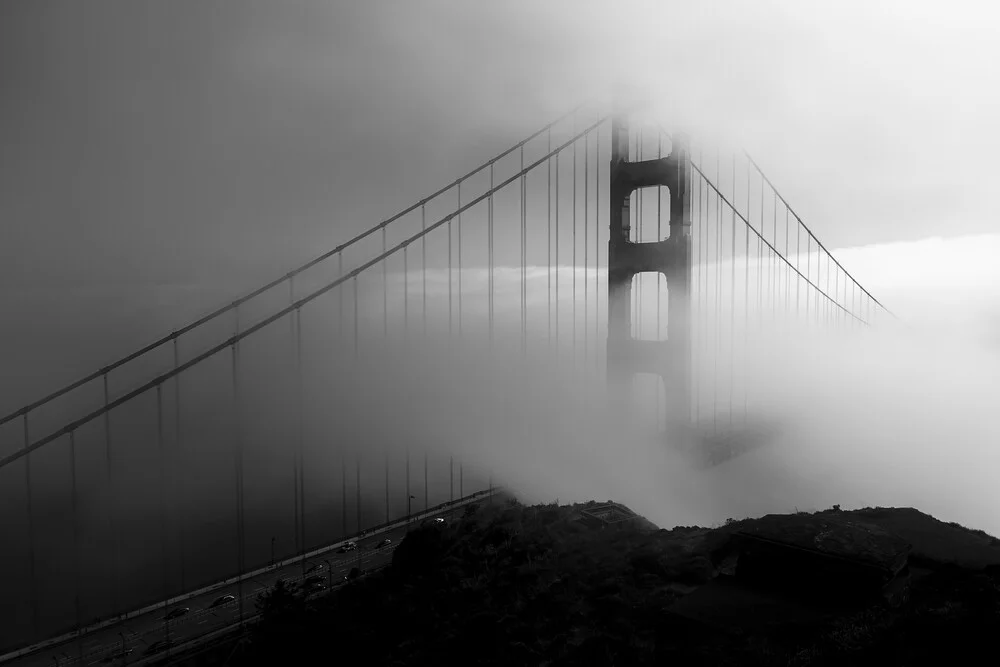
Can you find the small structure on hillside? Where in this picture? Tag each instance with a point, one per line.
(607, 514)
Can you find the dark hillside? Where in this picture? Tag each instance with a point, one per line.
(548, 585)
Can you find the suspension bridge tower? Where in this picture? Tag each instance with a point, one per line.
(626, 353)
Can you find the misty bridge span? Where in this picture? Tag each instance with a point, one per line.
(601, 251)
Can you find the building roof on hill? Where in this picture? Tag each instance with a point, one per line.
(609, 513)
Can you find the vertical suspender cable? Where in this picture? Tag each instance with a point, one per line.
(77, 569)
(640, 201)
(112, 507)
(854, 299)
(829, 302)
(808, 271)
(558, 160)
(820, 302)
(836, 296)
(766, 291)
(178, 468)
(449, 281)
(237, 465)
(823, 302)
(548, 236)
(773, 264)
(706, 231)
(848, 311)
(295, 452)
(788, 268)
(300, 428)
(746, 305)
(354, 283)
(340, 298)
(659, 276)
(489, 243)
(161, 449)
(825, 291)
(586, 240)
(718, 295)
(699, 290)
(760, 261)
(732, 300)
(460, 260)
(524, 256)
(406, 292)
(798, 255)
(343, 493)
(32, 580)
(385, 287)
(637, 311)
(423, 263)
(574, 238)
(597, 246)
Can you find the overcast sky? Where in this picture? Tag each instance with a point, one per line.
(160, 140)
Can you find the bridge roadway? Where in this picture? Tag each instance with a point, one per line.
(105, 646)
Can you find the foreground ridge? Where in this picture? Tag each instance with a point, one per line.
(547, 584)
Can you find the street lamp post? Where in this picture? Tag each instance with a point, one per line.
(329, 577)
(124, 656)
(272, 552)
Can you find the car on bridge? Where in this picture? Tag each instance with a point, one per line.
(221, 600)
(384, 543)
(312, 580)
(350, 546)
(177, 612)
(118, 655)
(436, 521)
(315, 587)
(161, 645)
(315, 568)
